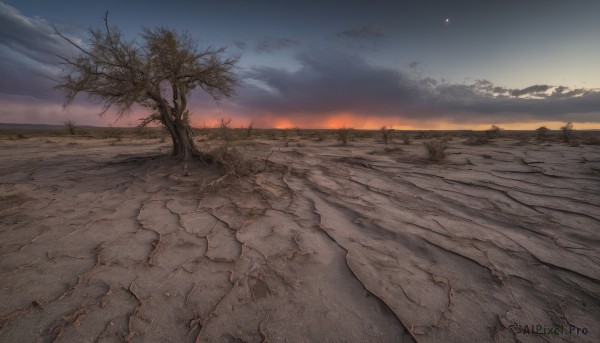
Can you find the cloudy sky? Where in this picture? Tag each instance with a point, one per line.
(463, 64)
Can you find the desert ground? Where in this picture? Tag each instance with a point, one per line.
(107, 239)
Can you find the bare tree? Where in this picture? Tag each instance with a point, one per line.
(158, 74)
(70, 126)
(567, 131)
(386, 134)
(225, 129)
(249, 129)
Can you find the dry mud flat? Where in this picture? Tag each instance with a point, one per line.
(111, 243)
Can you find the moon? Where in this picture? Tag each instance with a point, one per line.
(447, 20)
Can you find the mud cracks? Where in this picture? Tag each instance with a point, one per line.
(323, 245)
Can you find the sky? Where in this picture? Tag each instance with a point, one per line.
(464, 64)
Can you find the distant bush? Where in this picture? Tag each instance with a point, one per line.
(493, 132)
(567, 131)
(386, 134)
(421, 135)
(344, 134)
(272, 135)
(284, 133)
(70, 126)
(523, 140)
(224, 129)
(249, 130)
(113, 133)
(298, 131)
(202, 130)
(542, 131)
(436, 149)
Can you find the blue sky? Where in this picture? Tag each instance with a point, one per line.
(354, 63)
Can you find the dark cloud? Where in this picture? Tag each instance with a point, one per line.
(29, 67)
(326, 82)
(339, 83)
(531, 90)
(269, 44)
(363, 32)
(31, 37)
(565, 92)
(500, 90)
(28, 49)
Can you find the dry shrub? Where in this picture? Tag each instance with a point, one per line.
(231, 159)
(436, 149)
(298, 131)
(70, 126)
(386, 134)
(271, 135)
(224, 129)
(567, 131)
(113, 133)
(493, 132)
(541, 132)
(421, 135)
(249, 130)
(523, 139)
(343, 134)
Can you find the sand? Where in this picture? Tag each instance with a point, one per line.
(111, 241)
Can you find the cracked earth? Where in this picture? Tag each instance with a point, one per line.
(115, 242)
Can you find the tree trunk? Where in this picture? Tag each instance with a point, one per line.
(183, 139)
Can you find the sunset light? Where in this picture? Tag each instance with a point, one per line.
(314, 171)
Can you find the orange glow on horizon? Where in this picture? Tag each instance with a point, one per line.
(350, 120)
(375, 123)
